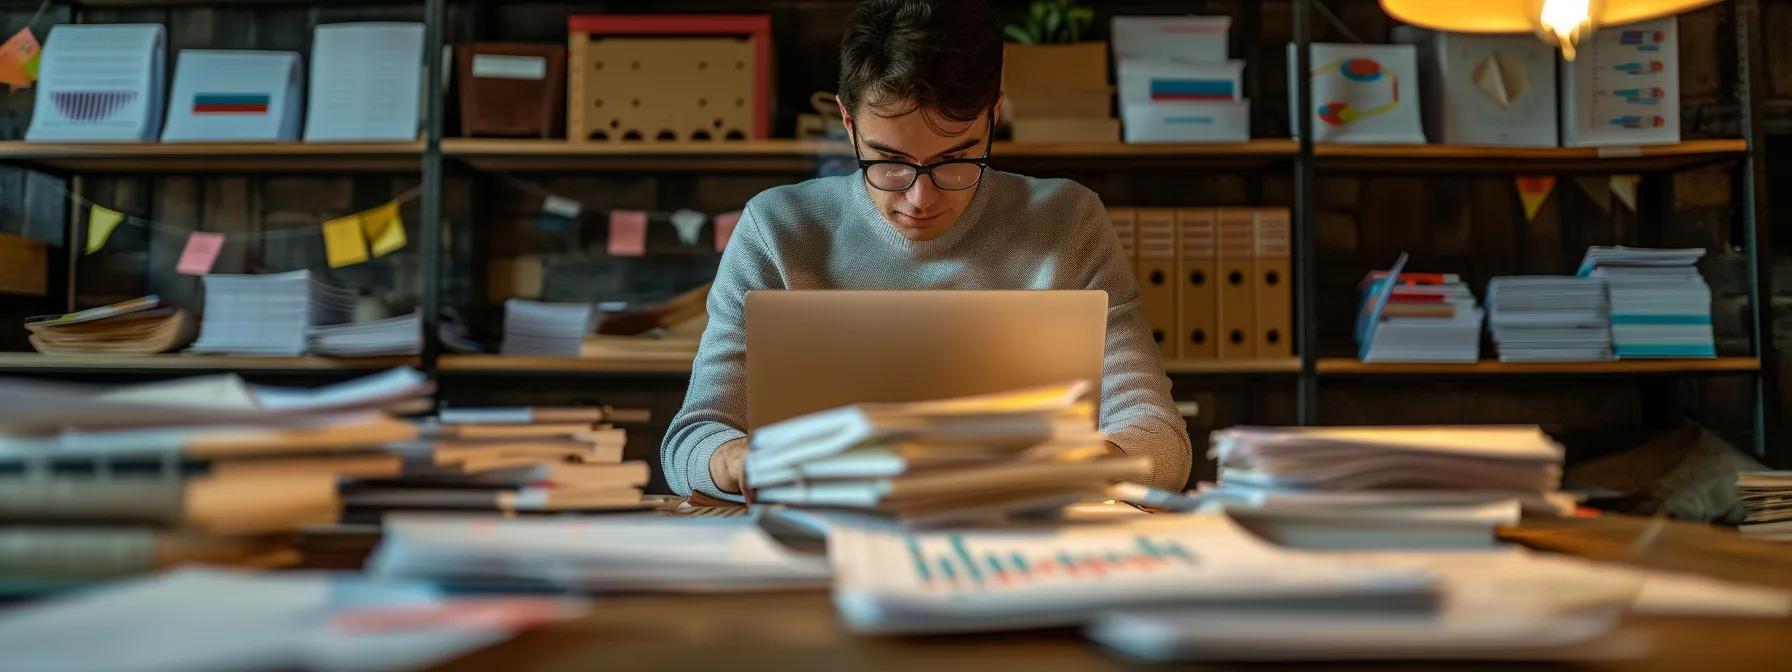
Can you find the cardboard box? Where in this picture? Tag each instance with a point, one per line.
(1624, 87)
(1485, 89)
(24, 266)
(1050, 129)
(1041, 68)
(1188, 122)
(1194, 39)
(512, 89)
(1089, 104)
(669, 77)
(1363, 94)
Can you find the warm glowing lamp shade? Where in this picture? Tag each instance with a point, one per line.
(1565, 23)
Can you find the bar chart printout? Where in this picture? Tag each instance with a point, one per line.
(951, 563)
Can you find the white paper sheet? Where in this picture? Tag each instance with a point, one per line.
(366, 81)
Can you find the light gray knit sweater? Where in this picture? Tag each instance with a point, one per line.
(1017, 233)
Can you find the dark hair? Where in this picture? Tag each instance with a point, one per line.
(898, 56)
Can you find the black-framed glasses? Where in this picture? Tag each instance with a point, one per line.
(952, 175)
(948, 175)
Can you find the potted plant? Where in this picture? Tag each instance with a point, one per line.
(1057, 84)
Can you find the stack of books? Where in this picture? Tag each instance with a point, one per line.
(1767, 496)
(144, 326)
(268, 315)
(389, 337)
(101, 482)
(545, 329)
(1660, 305)
(1549, 318)
(919, 463)
(507, 461)
(1388, 466)
(1417, 317)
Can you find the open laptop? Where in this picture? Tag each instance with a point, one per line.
(810, 351)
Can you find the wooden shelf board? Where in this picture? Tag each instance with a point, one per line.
(806, 155)
(1352, 367)
(1222, 366)
(215, 157)
(594, 365)
(24, 362)
(1475, 159)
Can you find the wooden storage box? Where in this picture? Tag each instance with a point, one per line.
(24, 266)
(510, 89)
(669, 78)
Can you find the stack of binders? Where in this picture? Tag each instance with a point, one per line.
(1418, 317)
(1549, 318)
(1767, 496)
(491, 460)
(1660, 305)
(949, 460)
(1215, 283)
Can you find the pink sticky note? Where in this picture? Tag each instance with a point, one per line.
(628, 233)
(725, 228)
(202, 251)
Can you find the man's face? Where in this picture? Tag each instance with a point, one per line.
(923, 211)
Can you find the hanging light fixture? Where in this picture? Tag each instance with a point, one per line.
(1564, 23)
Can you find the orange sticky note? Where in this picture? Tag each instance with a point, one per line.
(344, 242)
(725, 224)
(201, 253)
(17, 59)
(383, 229)
(628, 233)
(1533, 190)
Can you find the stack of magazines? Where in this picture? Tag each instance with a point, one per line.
(1417, 317)
(1660, 305)
(268, 315)
(1549, 318)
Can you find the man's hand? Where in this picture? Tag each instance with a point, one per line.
(728, 466)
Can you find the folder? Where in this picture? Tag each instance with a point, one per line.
(1197, 288)
(1124, 229)
(1237, 291)
(1157, 269)
(1274, 283)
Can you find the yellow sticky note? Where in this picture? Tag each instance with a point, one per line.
(100, 223)
(384, 228)
(344, 242)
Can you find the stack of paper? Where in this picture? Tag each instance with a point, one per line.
(1549, 318)
(268, 315)
(142, 326)
(1660, 305)
(628, 552)
(1388, 466)
(98, 482)
(1417, 317)
(890, 581)
(366, 82)
(551, 329)
(922, 462)
(395, 336)
(1767, 495)
(489, 460)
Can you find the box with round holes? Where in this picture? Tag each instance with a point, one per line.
(683, 78)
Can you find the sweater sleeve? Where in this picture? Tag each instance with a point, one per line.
(1137, 412)
(715, 407)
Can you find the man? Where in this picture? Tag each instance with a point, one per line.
(920, 88)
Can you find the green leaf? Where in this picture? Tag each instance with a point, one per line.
(1052, 22)
(1081, 16)
(1038, 11)
(1018, 34)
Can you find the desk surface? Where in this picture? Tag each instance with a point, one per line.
(798, 631)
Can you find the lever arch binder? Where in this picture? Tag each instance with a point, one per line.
(1156, 269)
(1237, 292)
(1197, 289)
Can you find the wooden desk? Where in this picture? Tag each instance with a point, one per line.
(798, 631)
